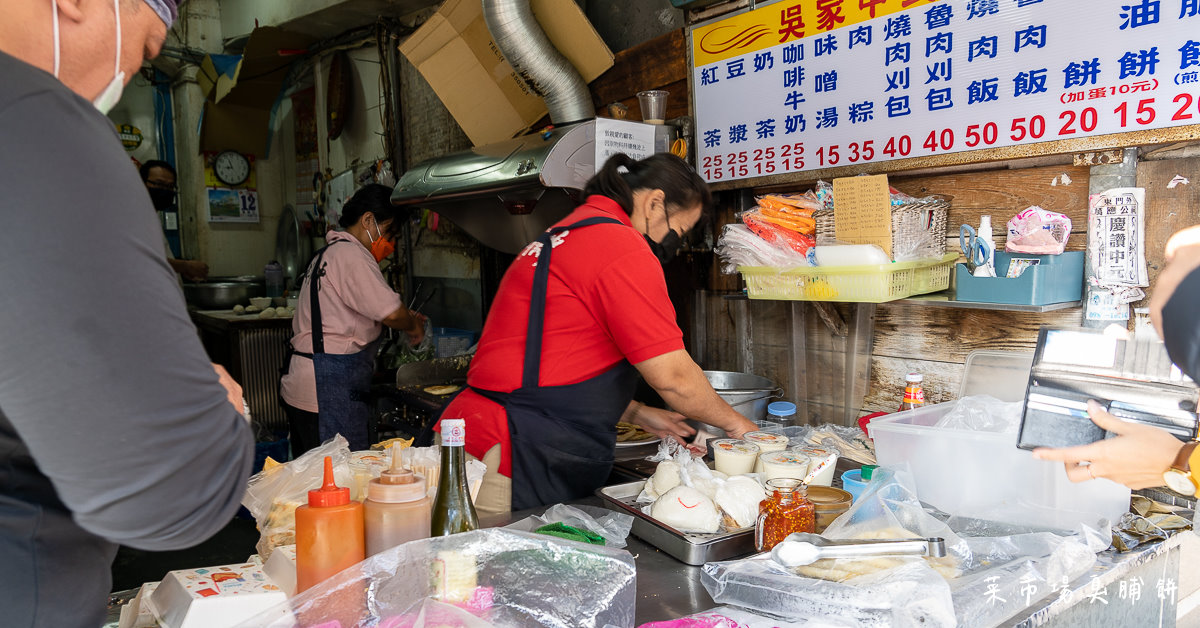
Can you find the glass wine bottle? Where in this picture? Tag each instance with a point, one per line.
(453, 511)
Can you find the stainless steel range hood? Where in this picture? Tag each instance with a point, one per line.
(505, 194)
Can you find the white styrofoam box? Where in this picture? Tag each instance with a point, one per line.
(281, 568)
(983, 475)
(214, 596)
(137, 613)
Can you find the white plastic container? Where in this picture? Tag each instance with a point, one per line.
(732, 456)
(983, 475)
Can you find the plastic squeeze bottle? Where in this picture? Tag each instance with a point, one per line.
(329, 533)
(397, 509)
(988, 268)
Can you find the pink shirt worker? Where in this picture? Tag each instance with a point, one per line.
(338, 326)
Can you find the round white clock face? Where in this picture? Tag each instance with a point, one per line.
(231, 168)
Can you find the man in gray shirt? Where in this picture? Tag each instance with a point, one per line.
(114, 427)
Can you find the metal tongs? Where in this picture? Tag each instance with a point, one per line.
(801, 548)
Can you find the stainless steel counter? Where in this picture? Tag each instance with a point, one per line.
(1120, 590)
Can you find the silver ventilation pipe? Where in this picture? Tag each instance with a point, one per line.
(538, 63)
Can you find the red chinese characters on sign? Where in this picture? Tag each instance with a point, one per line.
(791, 23)
(829, 14)
(869, 5)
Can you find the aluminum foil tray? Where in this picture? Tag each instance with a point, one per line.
(691, 548)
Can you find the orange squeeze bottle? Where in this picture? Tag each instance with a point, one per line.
(329, 533)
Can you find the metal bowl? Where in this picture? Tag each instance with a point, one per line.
(746, 393)
(221, 295)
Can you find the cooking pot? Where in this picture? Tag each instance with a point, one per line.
(748, 394)
(221, 295)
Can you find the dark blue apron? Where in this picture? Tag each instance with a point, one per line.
(343, 380)
(561, 438)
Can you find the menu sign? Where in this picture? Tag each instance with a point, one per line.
(805, 84)
(864, 211)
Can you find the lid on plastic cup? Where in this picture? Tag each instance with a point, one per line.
(781, 408)
(868, 470)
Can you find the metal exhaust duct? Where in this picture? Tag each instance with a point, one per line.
(505, 194)
(539, 64)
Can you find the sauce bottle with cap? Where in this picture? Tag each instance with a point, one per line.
(329, 533)
(397, 509)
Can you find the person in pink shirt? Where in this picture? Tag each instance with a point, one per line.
(337, 326)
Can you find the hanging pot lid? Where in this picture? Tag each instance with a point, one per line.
(289, 244)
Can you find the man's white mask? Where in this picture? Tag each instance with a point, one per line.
(111, 95)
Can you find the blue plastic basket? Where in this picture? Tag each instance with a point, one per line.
(448, 341)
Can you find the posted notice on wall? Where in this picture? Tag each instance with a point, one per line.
(805, 84)
(635, 139)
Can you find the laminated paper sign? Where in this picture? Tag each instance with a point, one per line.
(635, 139)
(863, 211)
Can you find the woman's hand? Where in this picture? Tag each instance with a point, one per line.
(661, 423)
(416, 332)
(1137, 456)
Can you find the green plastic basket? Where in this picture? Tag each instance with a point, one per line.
(859, 284)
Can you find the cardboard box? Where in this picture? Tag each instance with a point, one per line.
(454, 51)
(214, 596)
(242, 91)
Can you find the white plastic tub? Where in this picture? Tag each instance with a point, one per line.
(983, 475)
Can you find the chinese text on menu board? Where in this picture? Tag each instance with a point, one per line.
(805, 84)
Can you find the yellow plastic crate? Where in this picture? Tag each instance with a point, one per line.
(861, 284)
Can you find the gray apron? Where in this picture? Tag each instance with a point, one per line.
(343, 380)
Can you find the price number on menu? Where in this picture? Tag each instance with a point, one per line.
(757, 162)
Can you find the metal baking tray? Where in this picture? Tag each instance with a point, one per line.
(691, 548)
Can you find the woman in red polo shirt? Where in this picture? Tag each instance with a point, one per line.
(565, 342)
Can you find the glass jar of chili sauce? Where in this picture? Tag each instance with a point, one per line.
(784, 511)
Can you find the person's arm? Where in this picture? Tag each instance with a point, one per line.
(661, 423)
(407, 321)
(1137, 456)
(682, 385)
(112, 394)
(191, 270)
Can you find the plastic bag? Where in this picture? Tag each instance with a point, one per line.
(997, 568)
(492, 577)
(725, 617)
(1037, 231)
(738, 246)
(983, 413)
(848, 442)
(613, 526)
(273, 495)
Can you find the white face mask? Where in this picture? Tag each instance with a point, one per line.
(111, 95)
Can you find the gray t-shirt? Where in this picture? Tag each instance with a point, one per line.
(113, 425)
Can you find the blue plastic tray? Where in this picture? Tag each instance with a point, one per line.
(1056, 279)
